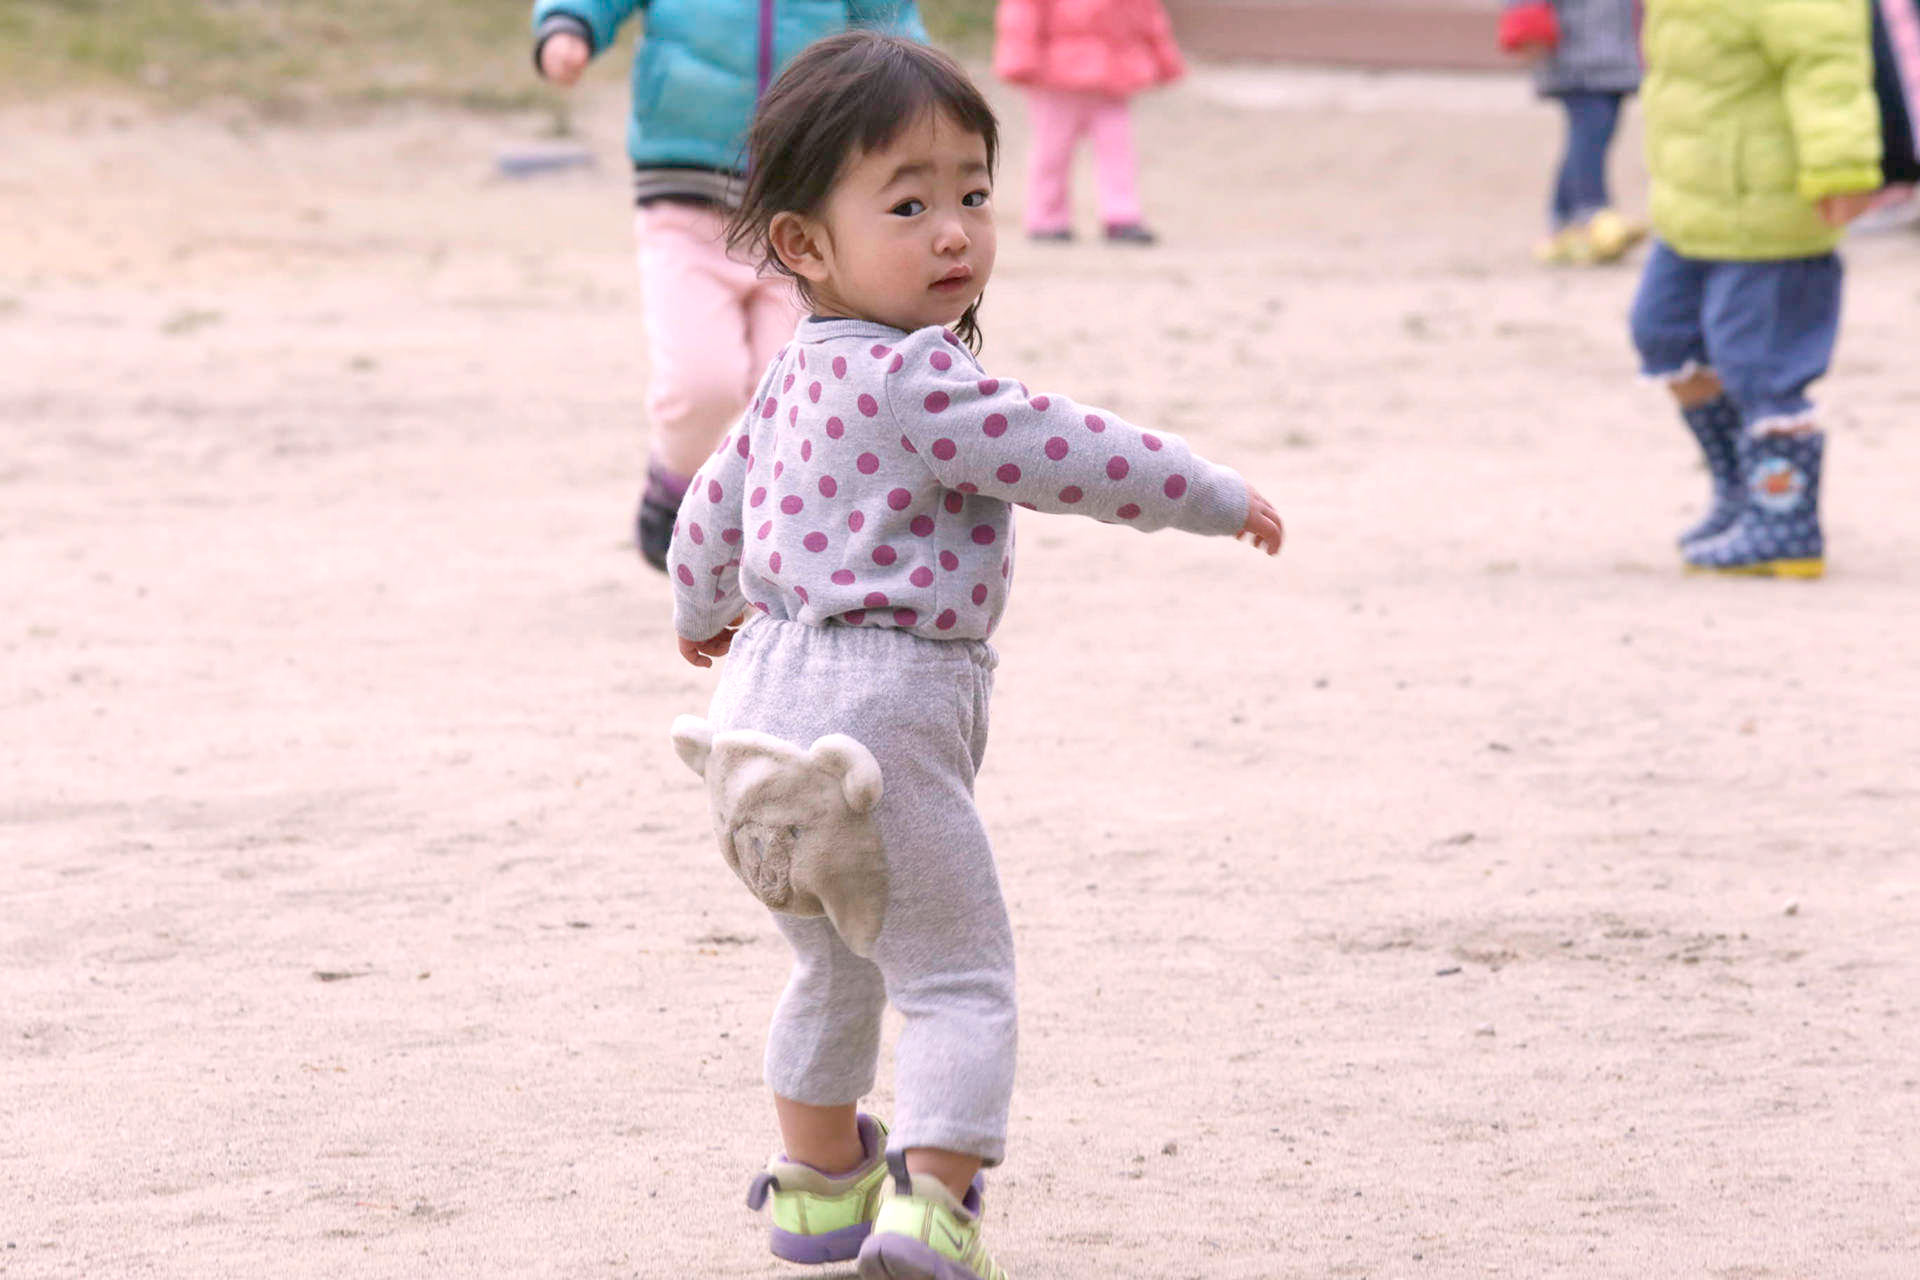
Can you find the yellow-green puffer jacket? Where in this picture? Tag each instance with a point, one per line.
(1755, 109)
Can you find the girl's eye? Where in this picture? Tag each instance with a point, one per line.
(975, 199)
(907, 208)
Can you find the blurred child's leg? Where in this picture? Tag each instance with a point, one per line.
(773, 312)
(1111, 125)
(1055, 120)
(1591, 120)
(1669, 332)
(1772, 327)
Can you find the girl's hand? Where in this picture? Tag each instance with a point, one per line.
(563, 57)
(1263, 524)
(1838, 211)
(701, 653)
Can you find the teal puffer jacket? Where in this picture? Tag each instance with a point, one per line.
(702, 64)
(1755, 109)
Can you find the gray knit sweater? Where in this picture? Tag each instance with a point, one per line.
(870, 482)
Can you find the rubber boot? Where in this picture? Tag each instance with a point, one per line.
(1716, 426)
(1777, 533)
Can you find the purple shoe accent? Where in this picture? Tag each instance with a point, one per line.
(832, 1246)
(666, 487)
(758, 1188)
(892, 1257)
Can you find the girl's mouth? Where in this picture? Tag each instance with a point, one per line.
(955, 279)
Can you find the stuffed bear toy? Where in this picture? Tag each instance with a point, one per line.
(796, 824)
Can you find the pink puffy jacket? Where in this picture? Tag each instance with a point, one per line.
(1117, 47)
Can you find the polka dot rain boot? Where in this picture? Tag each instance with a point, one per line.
(1778, 532)
(1716, 426)
(818, 1217)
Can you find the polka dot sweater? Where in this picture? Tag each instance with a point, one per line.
(871, 483)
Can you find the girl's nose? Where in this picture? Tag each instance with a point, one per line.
(951, 238)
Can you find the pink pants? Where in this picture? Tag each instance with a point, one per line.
(1059, 119)
(713, 325)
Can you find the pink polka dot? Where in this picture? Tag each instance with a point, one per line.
(1007, 474)
(967, 486)
(791, 504)
(1040, 403)
(1071, 494)
(856, 520)
(936, 401)
(806, 451)
(979, 593)
(868, 405)
(1175, 486)
(855, 617)
(922, 526)
(941, 361)
(731, 535)
(714, 492)
(759, 496)
(946, 619)
(695, 532)
(1128, 512)
(803, 359)
(828, 486)
(793, 416)
(813, 393)
(1027, 506)
(983, 535)
(1057, 448)
(769, 407)
(778, 467)
(907, 445)
(1117, 468)
(685, 575)
(742, 447)
(884, 554)
(1006, 565)
(949, 561)
(839, 366)
(989, 385)
(900, 499)
(943, 449)
(836, 428)
(921, 577)
(764, 530)
(843, 577)
(868, 463)
(788, 384)
(894, 365)
(905, 617)
(802, 593)
(773, 562)
(995, 426)
(948, 334)
(1096, 423)
(1153, 442)
(953, 503)
(814, 542)
(876, 600)
(879, 351)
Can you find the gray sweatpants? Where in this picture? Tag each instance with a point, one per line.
(944, 956)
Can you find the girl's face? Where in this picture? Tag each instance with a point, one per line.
(906, 235)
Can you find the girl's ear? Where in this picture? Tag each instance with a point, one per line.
(801, 245)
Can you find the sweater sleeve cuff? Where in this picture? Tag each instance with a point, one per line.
(1220, 502)
(554, 24)
(1818, 184)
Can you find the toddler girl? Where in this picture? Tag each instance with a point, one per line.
(863, 511)
(1081, 60)
(1763, 141)
(712, 323)
(1587, 56)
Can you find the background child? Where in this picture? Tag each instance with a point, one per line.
(711, 322)
(1763, 139)
(1586, 54)
(864, 509)
(1080, 61)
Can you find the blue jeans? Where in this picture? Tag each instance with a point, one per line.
(1766, 328)
(1580, 191)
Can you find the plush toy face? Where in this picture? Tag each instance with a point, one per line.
(796, 824)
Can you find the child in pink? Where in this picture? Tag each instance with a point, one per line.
(1080, 61)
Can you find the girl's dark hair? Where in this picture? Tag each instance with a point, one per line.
(847, 93)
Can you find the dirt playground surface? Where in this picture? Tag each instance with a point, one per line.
(1467, 893)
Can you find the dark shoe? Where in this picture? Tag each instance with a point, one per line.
(1777, 534)
(653, 528)
(1716, 426)
(1130, 233)
(1062, 236)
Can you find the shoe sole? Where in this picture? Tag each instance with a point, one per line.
(1766, 569)
(893, 1257)
(831, 1246)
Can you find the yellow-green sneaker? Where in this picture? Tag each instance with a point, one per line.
(1609, 236)
(819, 1217)
(924, 1233)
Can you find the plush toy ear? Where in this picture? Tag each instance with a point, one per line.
(693, 742)
(859, 771)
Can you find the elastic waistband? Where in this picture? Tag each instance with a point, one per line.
(864, 644)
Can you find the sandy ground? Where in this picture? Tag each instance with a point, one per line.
(1468, 893)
